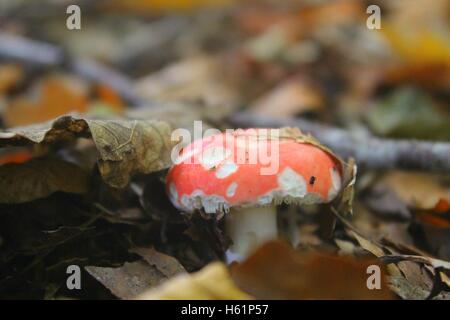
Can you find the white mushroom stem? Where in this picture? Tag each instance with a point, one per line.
(248, 228)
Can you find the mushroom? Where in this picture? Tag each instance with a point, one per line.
(245, 174)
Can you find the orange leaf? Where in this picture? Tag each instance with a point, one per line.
(110, 97)
(16, 156)
(276, 271)
(56, 96)
(442, 206)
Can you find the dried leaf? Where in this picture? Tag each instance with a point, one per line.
(125, 147)
(435, 263)
(128, 281)
(39, 178)
(54, 96)
(423, 191)
(276, 271)
(167, 265)
(439, 268)
(407, 278)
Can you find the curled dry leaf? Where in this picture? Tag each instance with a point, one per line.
(39, 178)
(435, 263)
(439, 268)
(212, 282)
(406, 276)
(125, 146)
(276, 271)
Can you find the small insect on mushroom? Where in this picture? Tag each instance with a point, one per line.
(246, 174)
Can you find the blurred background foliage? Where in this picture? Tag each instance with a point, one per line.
(186, 60)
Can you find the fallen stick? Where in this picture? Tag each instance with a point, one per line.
(45, 54)
(369, 151)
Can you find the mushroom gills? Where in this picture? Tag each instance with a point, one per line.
(249, 228)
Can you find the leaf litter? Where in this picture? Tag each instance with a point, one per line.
(83, 156)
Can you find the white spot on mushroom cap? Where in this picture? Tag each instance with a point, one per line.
(231, 190)
(226, 169)
(336, 184)
(213, 156)
(291, 183)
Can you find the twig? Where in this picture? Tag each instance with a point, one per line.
(35, 52)
(369, 151)
(41, 53)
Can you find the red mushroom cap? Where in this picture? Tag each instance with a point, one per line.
(252, 167)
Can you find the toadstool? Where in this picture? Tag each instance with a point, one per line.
(245, 174)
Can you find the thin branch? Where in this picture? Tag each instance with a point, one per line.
(369, 151)
(41, 53)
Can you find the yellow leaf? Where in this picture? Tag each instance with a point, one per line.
(419, 46)
(213, 282)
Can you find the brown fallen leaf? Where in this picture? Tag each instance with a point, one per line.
(39, 178)
(439, 268)
(276, 271)
(434, 225)
(167, 265)
(424, 190)
(435, 263)
(213, 282)
(125, 147)
(406, 276)
(50, 98)
(132, 279)
(129, 280)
